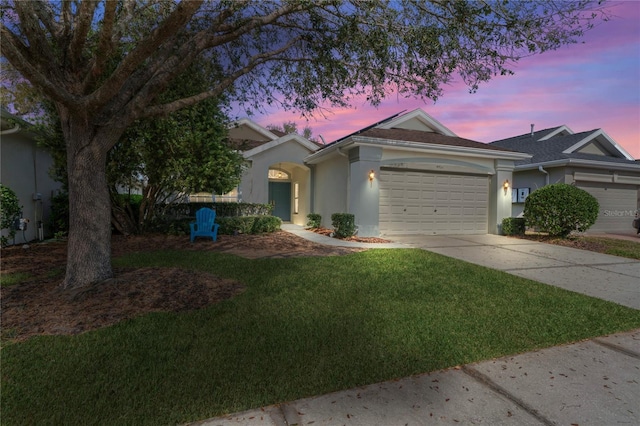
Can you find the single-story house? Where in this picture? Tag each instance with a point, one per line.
(25, 170)
(590, 160)
(405, 174)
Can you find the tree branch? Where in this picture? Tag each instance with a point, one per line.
(30, 26)
(144, 49)
(105, 45)
(84, 17)
(221, 86)
(29, 65)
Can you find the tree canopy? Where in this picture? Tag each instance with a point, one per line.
(104, 63)
(289, 127)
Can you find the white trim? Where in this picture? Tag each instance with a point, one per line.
(416, 147)
(421, 116)
(592, 137)
(255, 127)
(579, 162)
(556, 132)
(284, 139)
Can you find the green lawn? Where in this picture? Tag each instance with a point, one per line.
(305, 326)
(623, 248)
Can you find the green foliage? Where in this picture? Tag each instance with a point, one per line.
(291, 127)
(9, 279)
(513, 226)
(231, 225)
(242, 209)
(222, 209)
(266, 224)
(343, 224)
(560, 209)
(314, 220)
(10, 209)
(59, 218)
(235, 224)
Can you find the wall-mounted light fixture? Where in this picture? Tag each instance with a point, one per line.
(505, 185)
(372, 176)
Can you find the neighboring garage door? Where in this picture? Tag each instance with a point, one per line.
(432, 203)
(618, 204)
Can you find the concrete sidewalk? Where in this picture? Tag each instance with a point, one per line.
(595, 382)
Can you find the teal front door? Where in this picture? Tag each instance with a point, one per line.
(280, 197)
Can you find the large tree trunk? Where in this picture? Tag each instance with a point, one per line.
(89, 242)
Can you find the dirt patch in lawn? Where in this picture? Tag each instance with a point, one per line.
(37, 306)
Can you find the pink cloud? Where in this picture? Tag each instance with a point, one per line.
(590, 85)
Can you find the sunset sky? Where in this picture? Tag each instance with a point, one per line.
(595, 84)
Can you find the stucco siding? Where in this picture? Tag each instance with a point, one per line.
(330, 189)
(255, 183)
(25, 169)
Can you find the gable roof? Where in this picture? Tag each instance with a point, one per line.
(251, 138)
(311, 146)
(418, 131)
(260, 133)
(416, 120)
(431, 138)
(560, 146)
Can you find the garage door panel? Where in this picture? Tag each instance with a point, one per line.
(618, 203)
(433, 203)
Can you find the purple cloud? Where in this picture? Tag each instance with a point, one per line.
(589, 85)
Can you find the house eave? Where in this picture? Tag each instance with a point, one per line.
(421, 147)
(334, 148)
(440, 149)
(579, 162)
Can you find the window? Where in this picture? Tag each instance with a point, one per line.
(296, 191)
(277, 174)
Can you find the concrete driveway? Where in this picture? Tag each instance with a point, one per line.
(612, 278)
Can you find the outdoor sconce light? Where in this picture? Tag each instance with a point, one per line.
(505, 185)
(372, 175)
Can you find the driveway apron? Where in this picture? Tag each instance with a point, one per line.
(612, 278)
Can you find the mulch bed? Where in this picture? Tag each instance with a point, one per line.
(38, 306)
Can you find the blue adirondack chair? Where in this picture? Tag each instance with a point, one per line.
(204, 226)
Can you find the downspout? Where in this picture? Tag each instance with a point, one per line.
(10, 131)
(546, 178)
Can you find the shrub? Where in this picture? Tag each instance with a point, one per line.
(232, 225)
(513, 226)
(560, 208)
(248, 224)
(222, 209)
(9, 211)
(343, 224)
(314, 220)
(267, 224)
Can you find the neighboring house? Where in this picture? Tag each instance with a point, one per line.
(25, 170)
(405, 174)
(589, 160)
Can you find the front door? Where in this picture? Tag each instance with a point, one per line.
(280, 197)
